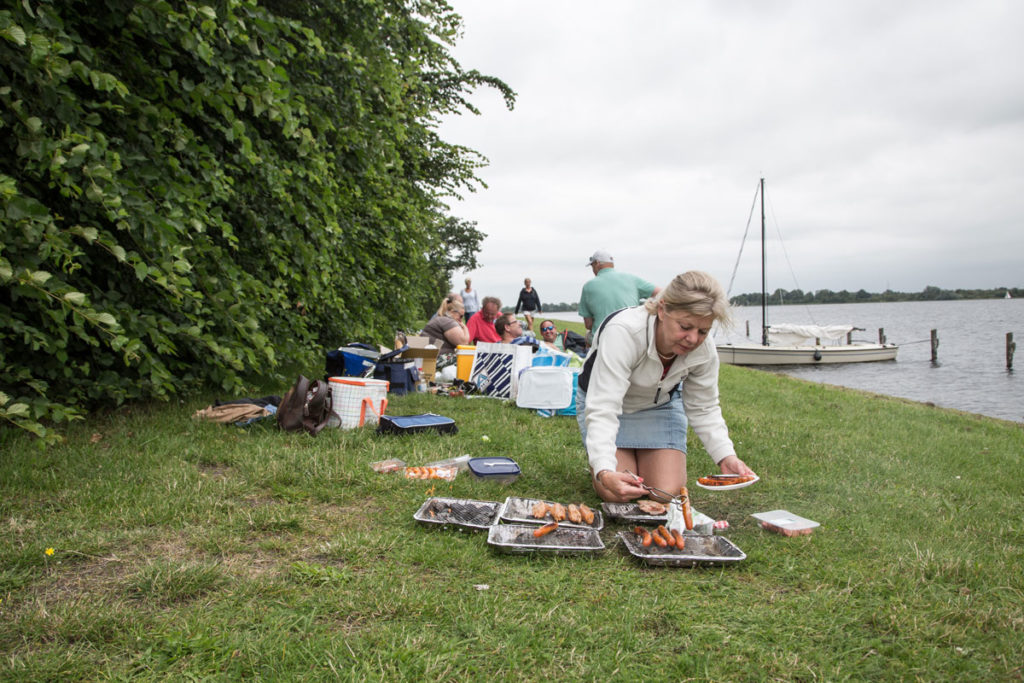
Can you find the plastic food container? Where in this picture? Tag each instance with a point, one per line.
(499, 470)
(702, 524)
(786, 523)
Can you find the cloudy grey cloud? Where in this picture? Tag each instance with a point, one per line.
(891, 137)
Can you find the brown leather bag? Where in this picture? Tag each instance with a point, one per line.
(306, 406)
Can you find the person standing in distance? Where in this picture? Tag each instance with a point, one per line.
(529, 301)
(609, 291)
(470, 300)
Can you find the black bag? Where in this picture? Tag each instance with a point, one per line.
(575, 342)
(412, 424)
(401, 374)
(307, 405)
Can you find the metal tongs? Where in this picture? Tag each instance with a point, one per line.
(674, 499)
(674, 519)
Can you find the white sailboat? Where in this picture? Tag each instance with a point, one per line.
(800, 344)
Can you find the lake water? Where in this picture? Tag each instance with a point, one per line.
(970, 373)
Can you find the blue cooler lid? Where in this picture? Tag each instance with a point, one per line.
(487, 468)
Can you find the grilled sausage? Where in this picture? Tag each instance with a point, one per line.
(588, 514)
(670, 541)
(644, 535)
(680, 541)
(574, 514)
(687, 514)
(558, 512)
(546, 529)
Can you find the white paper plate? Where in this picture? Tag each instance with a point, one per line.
(730, 487)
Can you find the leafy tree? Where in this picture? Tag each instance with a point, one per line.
(197, 194)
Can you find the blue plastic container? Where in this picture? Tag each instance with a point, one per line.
(499, 469)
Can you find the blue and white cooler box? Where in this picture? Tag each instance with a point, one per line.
(496, 368)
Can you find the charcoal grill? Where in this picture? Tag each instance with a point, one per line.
(631, 512)
(700, 551)
(521, 510)
(565, 540)
(470, 514)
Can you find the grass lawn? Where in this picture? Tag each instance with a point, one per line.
(188, 550)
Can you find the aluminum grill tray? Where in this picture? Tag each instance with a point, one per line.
(700, 551)
(521, 510)
(565, 540)
(631, 512)
(472, 514)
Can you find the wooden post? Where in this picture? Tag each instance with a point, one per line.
(881, 335)
(935, 345)
(1011, 346)
(849, 337)
(748, 328)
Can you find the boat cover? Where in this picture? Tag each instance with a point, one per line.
(785, 334)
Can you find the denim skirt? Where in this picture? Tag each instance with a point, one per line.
(662, 426)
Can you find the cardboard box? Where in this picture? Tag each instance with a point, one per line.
(424, 353)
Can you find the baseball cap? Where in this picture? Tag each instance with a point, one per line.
(600, 256)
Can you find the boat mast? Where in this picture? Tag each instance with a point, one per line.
(764, 281)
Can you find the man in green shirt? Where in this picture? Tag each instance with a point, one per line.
(609, 291)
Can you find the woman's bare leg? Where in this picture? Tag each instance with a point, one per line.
(663, 468)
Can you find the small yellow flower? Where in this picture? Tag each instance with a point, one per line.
(49, 551)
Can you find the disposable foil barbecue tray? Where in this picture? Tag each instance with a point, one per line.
(472, 514)
(631, 512)
(521, 510)
(700, 551)
(565, 540)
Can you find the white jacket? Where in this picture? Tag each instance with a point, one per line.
(626, 378)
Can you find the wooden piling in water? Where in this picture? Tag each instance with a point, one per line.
(935, 346)
(1011, 346)
(881, 335)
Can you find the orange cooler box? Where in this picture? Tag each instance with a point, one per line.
(464, 361)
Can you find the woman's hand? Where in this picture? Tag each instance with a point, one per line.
(733, 465)
(619, 487)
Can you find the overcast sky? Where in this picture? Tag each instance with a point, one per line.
(890, 136)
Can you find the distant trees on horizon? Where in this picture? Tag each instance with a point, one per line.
(827, 296)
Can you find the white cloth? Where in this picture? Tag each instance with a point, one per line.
(626, 377)
(786, 334)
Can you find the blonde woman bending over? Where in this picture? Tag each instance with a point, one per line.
(652, 372)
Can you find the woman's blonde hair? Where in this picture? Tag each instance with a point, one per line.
(694, 292)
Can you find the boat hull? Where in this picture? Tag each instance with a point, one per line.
(755, 354)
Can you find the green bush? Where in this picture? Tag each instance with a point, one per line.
(193, 195)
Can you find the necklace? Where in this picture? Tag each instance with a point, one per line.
(663, 357)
